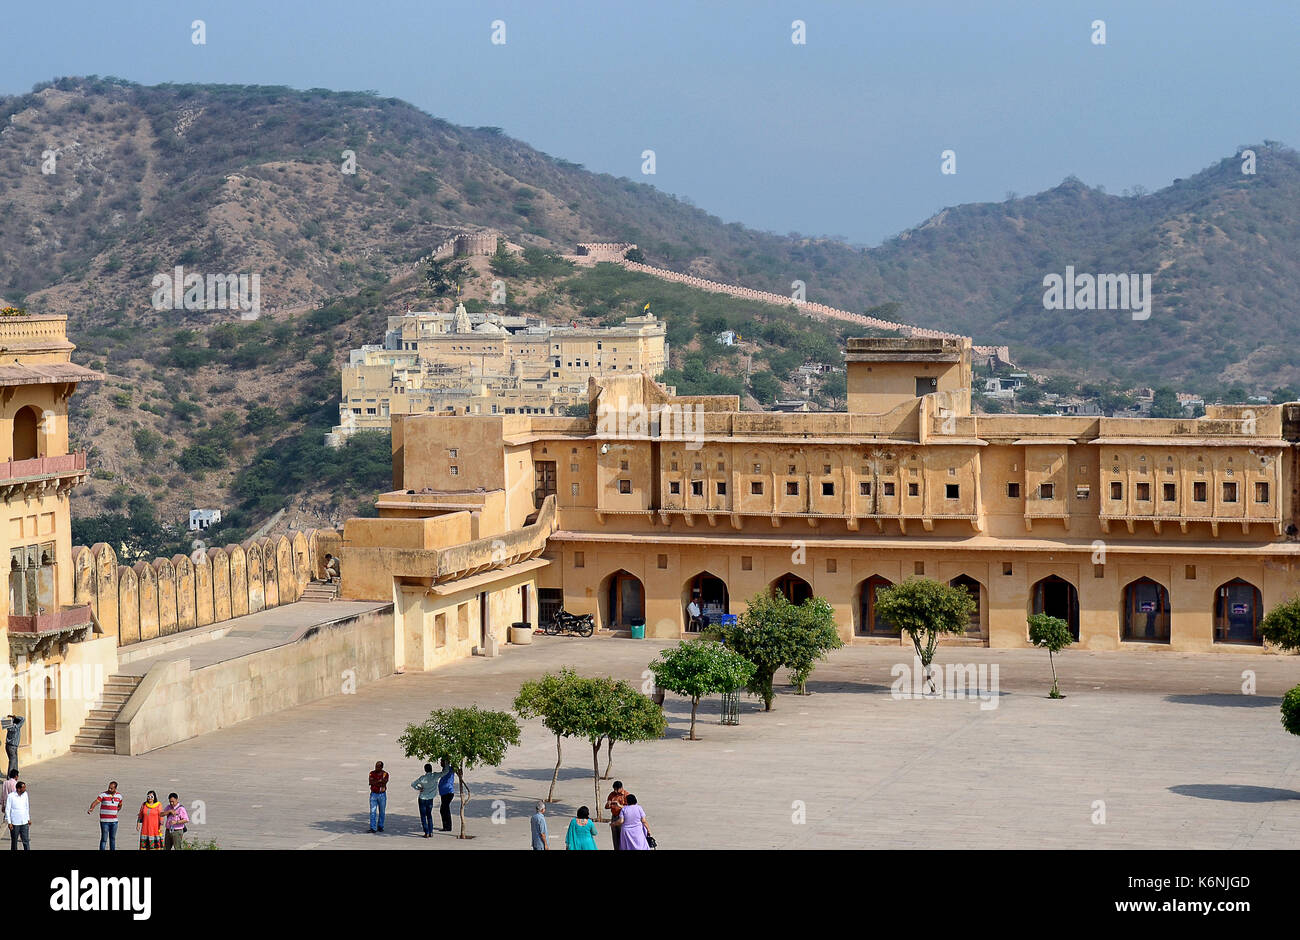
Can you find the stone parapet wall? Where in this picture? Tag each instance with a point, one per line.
(168, 595)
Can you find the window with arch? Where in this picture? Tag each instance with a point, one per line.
(870, 623)
(1146, 611)
(26, 438)
(975, 590)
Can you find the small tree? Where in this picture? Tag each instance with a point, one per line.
(1052, 634)
(1281, 625)
(925, 610)
(555, 699)
(763, 636)
(465, 738)
(699, 668)
(1291, 711)
(815, 637)
(605, 708)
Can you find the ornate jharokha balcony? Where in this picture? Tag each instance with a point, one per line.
(42, 474)
(35, 635)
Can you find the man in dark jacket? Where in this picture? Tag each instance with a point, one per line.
(13, 725)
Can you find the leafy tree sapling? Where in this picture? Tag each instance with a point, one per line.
(1052, 634)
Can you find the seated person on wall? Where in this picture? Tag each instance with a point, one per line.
(331, 568)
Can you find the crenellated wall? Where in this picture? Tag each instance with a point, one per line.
(168, 595)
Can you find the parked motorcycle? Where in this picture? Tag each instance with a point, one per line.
(565, 622)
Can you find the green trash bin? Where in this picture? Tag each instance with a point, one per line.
(638, 629)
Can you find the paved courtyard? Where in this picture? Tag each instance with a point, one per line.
(1163, 747)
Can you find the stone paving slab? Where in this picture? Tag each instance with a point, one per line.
(1168, 743)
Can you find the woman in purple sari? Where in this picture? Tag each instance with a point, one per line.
(632, 825)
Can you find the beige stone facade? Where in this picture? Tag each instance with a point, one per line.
(460, 363)
(1142, 533)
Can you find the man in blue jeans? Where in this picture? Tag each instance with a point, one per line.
(378, 794)
(109, 802)
(427, 787)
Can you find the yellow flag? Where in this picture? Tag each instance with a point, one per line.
(645, 308)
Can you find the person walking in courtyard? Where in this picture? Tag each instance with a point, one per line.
(378, 795)
(13, 725)
(109, 803)
(18, 814)
(149, 822)
(614, 803)
(582, 832)
(177, 822)
(631, 825)
(537, 826)
(446, 790)
(427, 786)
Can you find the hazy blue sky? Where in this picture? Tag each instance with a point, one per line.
(841, 136)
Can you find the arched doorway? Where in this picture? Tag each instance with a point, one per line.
(25, 423)
(1146, 611)
(710, 593)
(975, 627)
(870, 623)
(622, 601)
(794, 588)
(51, 705)
(1237, 613)
(1057, 597)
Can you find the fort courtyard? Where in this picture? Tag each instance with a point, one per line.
(1148, 750)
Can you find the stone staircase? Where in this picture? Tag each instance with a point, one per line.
(97, 735)
(320, 592)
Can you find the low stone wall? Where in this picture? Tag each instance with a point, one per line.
(173, 702)
(156, 598)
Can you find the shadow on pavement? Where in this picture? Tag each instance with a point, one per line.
(1225, 700)
(1234, 792)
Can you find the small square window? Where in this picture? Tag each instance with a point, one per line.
(919, 567)
(622, 465)
(697, 487)
(1099, 571)
(758, 468)
(756, 487)
(675, 488)
(699, 466)
(452, 453)
(792, 488)
(1198, 492)
(912, 471)
(1261, 492)
(1189, 572)
(1047, 491)
(573, 489)
(830, 566)
(864, 489)
(673, 466)
(889, 489)
(1013, 490)
(579, 560)
(913, 489)
(1082, 491)
(625, 486)
(662, 561)
(455, 471)
(1230, 492)
(1144, 491)
(574, 450)
(828, 489)
(1116, 490)
(791, 468)
(826, 468)
(1007, 567)
(1169, 493)
(573, 468)
(722, 465)
(746, 562)
(952, 491)
(722, 488)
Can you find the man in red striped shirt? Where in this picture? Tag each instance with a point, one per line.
(109, 802)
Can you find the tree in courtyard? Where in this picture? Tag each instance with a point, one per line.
(1281, 625)
(815, 636)
(699, 668)
(925, 610)
(464, 737)
(1291, 711)
(1052, 634)
(609, 709)
(553, 698)
(773, 633)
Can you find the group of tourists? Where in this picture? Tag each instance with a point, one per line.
(627, 825)
(429, 786)
(160, 827)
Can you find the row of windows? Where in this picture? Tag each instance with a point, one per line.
(951, 490)
(1142, 492)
